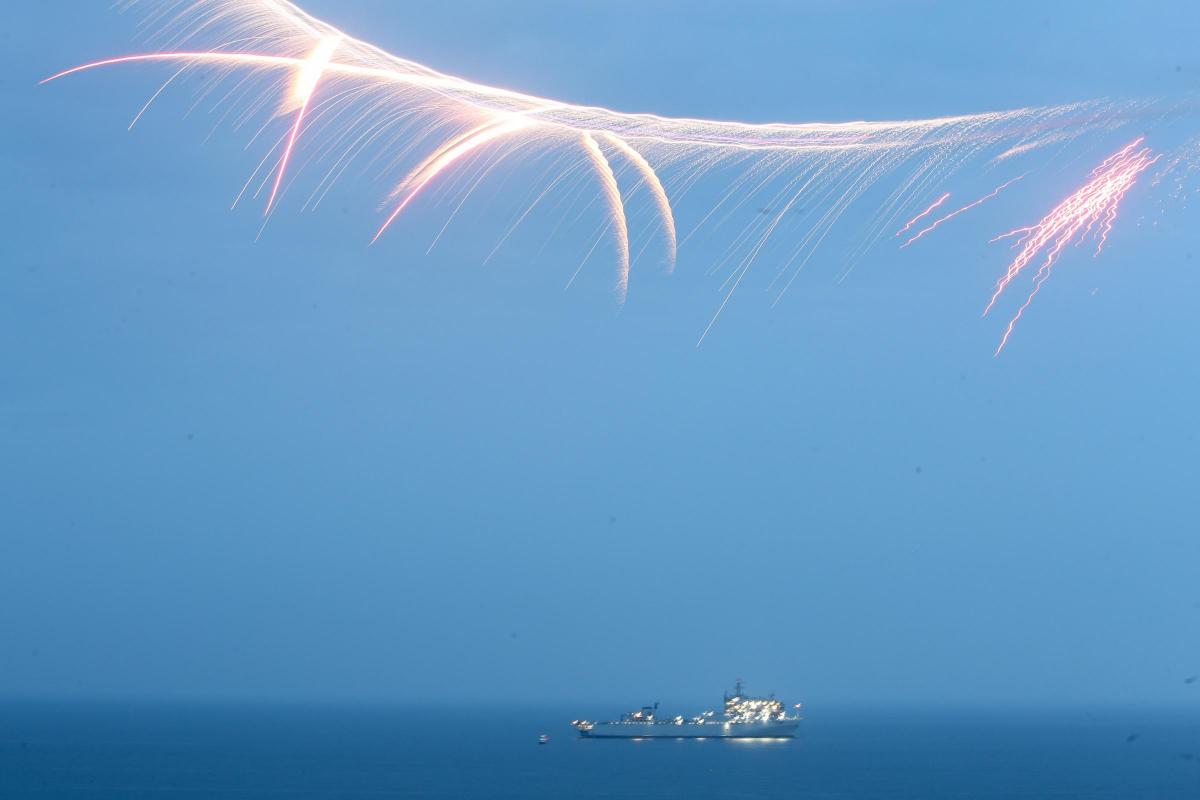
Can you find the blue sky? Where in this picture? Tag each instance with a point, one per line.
(299, 468)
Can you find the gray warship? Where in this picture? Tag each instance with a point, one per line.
(744, 717)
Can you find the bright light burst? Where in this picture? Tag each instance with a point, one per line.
(341, 100)
(303, 87)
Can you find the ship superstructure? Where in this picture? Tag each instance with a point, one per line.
(744, 717)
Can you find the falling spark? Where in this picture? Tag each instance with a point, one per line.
(1092, 209)
(924, 213)
(938, 222)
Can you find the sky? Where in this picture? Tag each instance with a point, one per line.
(297, 468)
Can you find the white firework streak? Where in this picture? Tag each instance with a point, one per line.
(657, 189)
(347, 101)
(612, 193)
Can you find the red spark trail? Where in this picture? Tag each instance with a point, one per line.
(1092, 209)
(924, 213)
(967, 207)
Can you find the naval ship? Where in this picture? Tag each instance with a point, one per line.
(744, 718)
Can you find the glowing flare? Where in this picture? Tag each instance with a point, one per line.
(307, 77)
(612, 193)
(1091, 209)
(657, 189)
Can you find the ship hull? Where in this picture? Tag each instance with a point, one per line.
(690, 730)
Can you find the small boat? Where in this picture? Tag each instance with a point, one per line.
(543, 739)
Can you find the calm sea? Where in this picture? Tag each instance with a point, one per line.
(57, 751)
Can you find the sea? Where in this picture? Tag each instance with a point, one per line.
(111, 751)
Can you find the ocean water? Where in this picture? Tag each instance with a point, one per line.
(111, 751)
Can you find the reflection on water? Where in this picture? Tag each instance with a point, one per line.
(123, 753)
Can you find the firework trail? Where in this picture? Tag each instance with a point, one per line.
(936, 203)
(938, 222)
(616, 206)
(329, 100)
(657, 189)
(301, 95)
(1092, 209)
(443, 158)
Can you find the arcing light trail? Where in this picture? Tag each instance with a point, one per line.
(442, 159)
(612, 193)
(345, 100)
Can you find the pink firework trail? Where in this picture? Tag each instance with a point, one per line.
(924, 213)
(1090, 210)
(937, 223)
